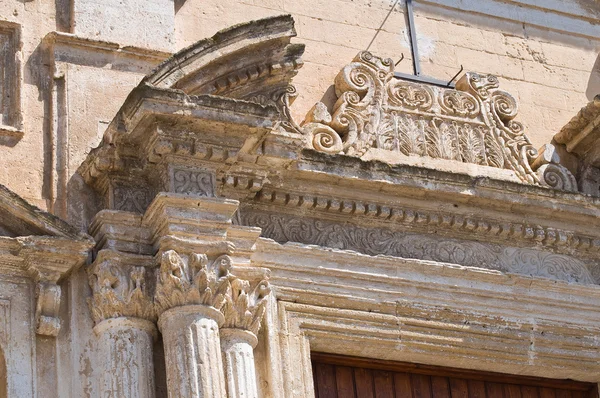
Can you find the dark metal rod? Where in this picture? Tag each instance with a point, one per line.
(455, 76)
(412, 33)
(424, 79)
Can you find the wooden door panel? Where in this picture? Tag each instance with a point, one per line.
(346, 377)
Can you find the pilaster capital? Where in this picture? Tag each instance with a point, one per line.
(245, 305)
(120, 286)
(192, 279)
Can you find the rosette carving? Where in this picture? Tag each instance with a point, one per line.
(245, 306)
(119, 290)
(192, 280)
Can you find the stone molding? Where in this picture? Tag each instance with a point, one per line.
(391, 118)
(423, 312)
(382, 241)
(561, 240)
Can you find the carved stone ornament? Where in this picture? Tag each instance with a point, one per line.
(377, 241)
(119, 289)
(474, 123)
(245, 306)
(192, 280)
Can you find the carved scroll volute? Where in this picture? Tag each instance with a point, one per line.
(245, 307)
(499, 110)
(356, 114)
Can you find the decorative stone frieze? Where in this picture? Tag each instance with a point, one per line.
(420, 219)
(195, 182)
(374, 241)
(385, 118)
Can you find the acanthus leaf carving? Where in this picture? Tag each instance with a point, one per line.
(191, 280)
(245, 307)
(119, 290)
(379, 241)
(473, 123)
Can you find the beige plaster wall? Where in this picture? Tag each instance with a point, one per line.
(544, 58)
(545, 51)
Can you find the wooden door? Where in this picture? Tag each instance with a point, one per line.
(348, 377)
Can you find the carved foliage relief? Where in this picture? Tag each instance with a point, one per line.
(473, 123)
(119, 291)
(376, 241)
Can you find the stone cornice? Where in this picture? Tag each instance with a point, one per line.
(465, 207)
(64, 44)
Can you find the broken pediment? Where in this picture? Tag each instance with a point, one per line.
(245, 61)
(470, 129)
(19, 218)
(580, 140)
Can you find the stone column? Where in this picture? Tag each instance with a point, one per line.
(124, 315)
(243, 310)
(190, 292)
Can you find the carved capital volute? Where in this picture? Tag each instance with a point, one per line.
(192, 279)
(245, 307)
(120, 287)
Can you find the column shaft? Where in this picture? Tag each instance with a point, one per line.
(192, 352)
(125, 346)
(238, 355)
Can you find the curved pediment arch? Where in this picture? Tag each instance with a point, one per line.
(244, 61)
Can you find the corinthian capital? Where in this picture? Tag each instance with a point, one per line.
(119, 286)
(245, 306)
(192, 279)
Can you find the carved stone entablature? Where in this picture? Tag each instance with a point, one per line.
(121, 286)
(221, 101)
(580, 139)
(424, 220)
(378, 116)
(379, 241)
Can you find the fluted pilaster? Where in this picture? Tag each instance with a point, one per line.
(237, 346)
(124, 314)
(192, 352)
(127, 367)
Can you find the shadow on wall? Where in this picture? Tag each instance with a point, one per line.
(593, 87)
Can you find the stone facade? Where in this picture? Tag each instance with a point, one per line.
(275, 190)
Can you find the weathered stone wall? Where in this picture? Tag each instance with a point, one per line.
(545, 52)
